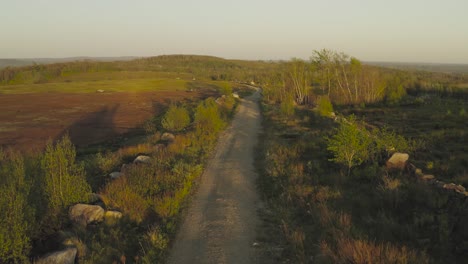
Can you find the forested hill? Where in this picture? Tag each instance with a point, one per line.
(431, 67)
(14, 62)
(197, 66)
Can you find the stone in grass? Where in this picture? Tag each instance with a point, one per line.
(85, 214)
(112, 217)
(142, 159)
(114, 175)
(454, 187)
(66, 256)
(167, 137)
(397, 161)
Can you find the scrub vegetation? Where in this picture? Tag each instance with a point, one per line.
(330, 125)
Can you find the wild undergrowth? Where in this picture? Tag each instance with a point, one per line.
(330, 211)
(37, 190)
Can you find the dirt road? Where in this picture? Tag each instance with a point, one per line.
(220, 225)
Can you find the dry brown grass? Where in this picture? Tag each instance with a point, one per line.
(362, 251)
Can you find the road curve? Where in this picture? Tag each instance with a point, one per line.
(220, 224)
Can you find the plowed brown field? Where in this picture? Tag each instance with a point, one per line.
(27, 121)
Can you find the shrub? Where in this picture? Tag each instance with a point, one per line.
(350, 145)
(207, 117)
(154, 244)
(15, 222)
(324, 106)
(226, 88)
(64, 181)
(176, 118)
(119, 194)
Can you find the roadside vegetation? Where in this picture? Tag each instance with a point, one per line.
(330, 124)
(38, 190)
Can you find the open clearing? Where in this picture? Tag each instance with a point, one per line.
(221, 222)
(27, 121)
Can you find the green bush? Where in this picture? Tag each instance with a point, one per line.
(64, 180)
(324, 106)
(208, 119)
(350, 145)
(15, 222)
(226, 88)
(176, 118)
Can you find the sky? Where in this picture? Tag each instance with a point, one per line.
(371, 30)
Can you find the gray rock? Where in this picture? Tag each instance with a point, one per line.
(427, 177)
(142, 159)
(114, 175)
(66, 256)
(85, 214)
(113, 215)
(454, 187)
(167, 137)
(397, 161)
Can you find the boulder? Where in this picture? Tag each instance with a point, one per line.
(427, 177)
(85, 214)
(112, 215)
(167, 137)
(397, 161)
(235, 95)
(66, 256)
(114, 175)
(75, 242)
(142, 159)
(454, 187)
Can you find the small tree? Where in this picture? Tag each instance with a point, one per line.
(324, 106)
(15, 222)
(176, 118)
(64, 181)
(208, 119)
(350, 145)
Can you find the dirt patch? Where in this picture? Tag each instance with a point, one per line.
(27, 121)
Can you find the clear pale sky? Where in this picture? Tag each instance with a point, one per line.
(372, 30)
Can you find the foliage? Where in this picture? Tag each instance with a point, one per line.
(297, 79)
(64, 179)
(350, 144)
(15, 223)
(208, 121)
(176, 118)
(324, 106)
(226, 88)
(374, 217)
